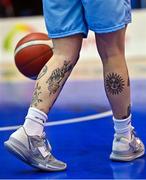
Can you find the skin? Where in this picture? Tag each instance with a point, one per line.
(55, 73)
(111, 48)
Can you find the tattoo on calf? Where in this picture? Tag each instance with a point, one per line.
(114, 84)
(128, 82)
(35, 99)
(54, 81)
(128, 112)
(43, 72)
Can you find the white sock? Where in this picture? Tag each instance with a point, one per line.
(123, 127)
(35, 121)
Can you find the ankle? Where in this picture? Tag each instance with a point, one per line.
(123, 127)
(35, 121)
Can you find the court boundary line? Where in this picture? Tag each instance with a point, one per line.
(67, 121)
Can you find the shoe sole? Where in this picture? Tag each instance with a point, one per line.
(117, 157)
(25, 157)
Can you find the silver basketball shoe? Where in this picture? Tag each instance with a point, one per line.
(33, 150)
(125, 150)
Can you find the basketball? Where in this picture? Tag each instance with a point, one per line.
(32, 52)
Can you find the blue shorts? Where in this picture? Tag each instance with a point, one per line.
(68, 17)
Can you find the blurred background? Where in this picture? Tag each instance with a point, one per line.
(11, 8)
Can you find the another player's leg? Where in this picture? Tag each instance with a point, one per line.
(111, 47)
(29, 142)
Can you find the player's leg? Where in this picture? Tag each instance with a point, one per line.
(53, 76)
(109, 23)
(66, 26)
(117, 85)
(111, 47)
(29, 142)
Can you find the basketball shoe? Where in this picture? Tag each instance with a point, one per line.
(33, 150)
(125, 150)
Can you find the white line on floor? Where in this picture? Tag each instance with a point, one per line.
(67, 121)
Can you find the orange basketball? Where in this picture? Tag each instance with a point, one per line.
(32, 52)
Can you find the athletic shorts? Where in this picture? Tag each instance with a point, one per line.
(68, 17)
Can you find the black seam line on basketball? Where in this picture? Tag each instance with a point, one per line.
(34, 59)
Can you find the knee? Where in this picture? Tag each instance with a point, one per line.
(66, 56)
(111, 45)
(68, 48)
(109, 52)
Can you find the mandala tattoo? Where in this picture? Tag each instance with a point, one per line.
(43, 72)
(114, 84)
(35, 99)
(54, 81)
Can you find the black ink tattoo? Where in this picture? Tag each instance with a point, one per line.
(43, 72)
(35, 99)
(128, 112)
(57, 76)
(114, 84)
(128, 82)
